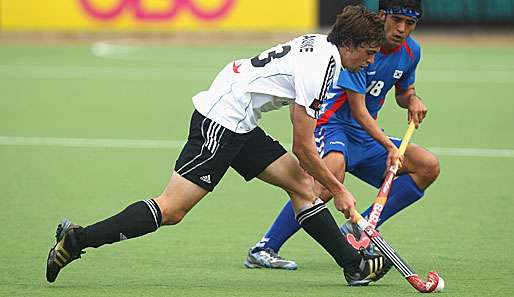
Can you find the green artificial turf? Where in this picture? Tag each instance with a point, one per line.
(462, 228)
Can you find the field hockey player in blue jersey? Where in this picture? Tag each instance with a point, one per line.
(349, 139)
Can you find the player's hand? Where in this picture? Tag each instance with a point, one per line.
(417, 110)
(345, 203)
(393, 155)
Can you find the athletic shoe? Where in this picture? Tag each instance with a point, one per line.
(267, 258)
(368, 269)
(64, 251)
(351, 228)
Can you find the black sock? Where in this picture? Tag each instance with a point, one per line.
(137, 219)
(320, 225)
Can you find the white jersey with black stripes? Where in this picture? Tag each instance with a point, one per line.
(300, 71)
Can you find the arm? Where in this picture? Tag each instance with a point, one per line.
(405, 92)
(408, 99)
(360, 113)
(291, 112)
(305, 149)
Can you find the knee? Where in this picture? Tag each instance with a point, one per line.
(431, 168)
(171, 214)
(172, 217)
(321, 192)
(325, 195)
(303, 187)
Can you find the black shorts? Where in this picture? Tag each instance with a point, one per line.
(212, 148)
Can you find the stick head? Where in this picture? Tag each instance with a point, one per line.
(440, 285)
(433, 284)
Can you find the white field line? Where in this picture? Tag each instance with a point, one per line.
(90, 142)
(70, 72)
(465, 76)
(176, 144)
(158, 73)
(105, 49)
(472, 152)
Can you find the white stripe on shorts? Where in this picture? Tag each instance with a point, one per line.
(215, 148)
(201, 151)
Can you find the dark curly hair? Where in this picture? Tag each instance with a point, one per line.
(357, 26)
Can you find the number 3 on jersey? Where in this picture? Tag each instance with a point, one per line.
(375, 87)
(273, 54)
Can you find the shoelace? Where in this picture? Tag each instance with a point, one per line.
(270, 254)
(273, 254)
(58, 231)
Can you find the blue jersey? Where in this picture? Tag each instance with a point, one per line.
(396, 67)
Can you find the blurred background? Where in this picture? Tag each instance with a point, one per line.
(227, 15)
(95, 102)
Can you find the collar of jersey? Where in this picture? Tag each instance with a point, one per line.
(390, 51)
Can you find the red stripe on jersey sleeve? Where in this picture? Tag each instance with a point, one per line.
(409, 51)
(335, 107)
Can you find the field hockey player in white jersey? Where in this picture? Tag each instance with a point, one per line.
(224, 133)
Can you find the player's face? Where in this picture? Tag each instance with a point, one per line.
(397, 28)
(356, 58)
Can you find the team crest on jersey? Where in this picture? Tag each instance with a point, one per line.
(316, 104)
(397, 74)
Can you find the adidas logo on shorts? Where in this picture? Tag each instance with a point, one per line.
(206, 178)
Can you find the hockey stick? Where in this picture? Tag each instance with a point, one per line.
(434, 283)
(381, 199)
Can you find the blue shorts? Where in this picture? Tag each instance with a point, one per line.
(365, 157)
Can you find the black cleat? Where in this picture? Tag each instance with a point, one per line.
(382, 272)
(64, 251)
(367, 271)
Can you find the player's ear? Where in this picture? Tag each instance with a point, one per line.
(382, 15)
(347, 45)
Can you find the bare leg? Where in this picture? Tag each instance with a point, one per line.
(422, 166)
(337, 165)
(287, 174)
(178, 198)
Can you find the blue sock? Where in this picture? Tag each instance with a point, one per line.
(285, 226)
(403, 193)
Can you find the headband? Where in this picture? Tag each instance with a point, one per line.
(403, 11)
